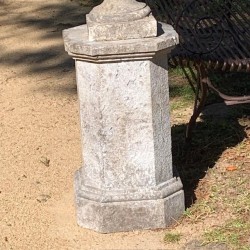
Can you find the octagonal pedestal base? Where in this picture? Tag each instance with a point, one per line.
(127, 215)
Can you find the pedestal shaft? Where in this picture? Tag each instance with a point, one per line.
(125, 126)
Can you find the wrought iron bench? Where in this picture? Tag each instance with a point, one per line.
(214, 35)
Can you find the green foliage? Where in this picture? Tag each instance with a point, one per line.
(180, 91)
(172, 237)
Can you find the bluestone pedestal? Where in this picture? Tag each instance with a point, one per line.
(126, 181)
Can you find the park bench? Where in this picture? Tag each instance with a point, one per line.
(214, 36)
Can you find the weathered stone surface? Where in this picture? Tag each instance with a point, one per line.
(78, 46)
(146, 27)
(129, 215)
(119, 11)
(126, 180)
(121, 20)
(126, 141)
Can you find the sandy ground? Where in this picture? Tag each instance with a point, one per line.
(40, 138)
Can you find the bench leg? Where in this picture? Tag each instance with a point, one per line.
(200, 99)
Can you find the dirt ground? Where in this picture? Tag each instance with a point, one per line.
(40, 137)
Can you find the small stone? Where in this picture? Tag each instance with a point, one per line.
(45, 161)
(23, 177)
(43, 198)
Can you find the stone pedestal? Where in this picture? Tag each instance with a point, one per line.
(126, 181)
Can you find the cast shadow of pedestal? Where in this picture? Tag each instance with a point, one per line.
(212, 136)
(39, 29)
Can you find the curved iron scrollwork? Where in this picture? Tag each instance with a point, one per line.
(201, 27)
(202, 24)
(210, 30)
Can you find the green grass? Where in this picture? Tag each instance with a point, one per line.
(172, 237)
(181, 94)
(199, 211)
(222, 191)
(234, 233)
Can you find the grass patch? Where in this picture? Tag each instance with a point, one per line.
(199, 211)
(233, 233)
(184, 92)
(172, 237)
(233, 194)
(181, 94)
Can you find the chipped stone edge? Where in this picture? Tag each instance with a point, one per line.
(78, 46)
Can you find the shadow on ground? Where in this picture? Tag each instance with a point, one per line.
(217, 132)
(32, 36)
